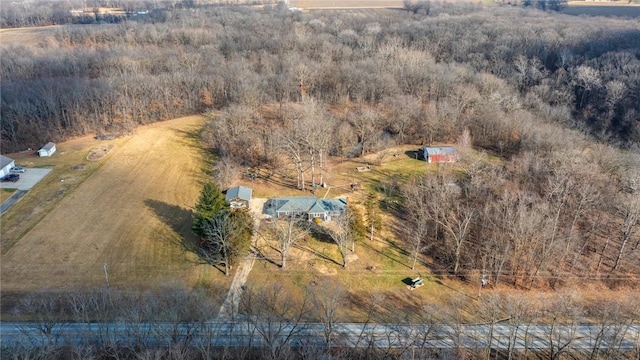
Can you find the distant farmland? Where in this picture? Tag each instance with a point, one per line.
(602, 9)
(321, 4)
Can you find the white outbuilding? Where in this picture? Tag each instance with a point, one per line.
(47, 150)
(5, 165)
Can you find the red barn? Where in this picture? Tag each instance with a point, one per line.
(439, 154)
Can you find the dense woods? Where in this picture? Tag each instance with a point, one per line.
(555, 98)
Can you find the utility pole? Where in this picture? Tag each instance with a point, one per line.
(106, 275)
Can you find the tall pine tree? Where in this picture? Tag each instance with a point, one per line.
(210, 203)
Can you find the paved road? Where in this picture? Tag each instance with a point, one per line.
(255, 333)
(12, 200)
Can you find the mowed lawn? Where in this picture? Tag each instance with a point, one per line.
(132, 214)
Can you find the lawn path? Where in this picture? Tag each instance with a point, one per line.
(229, 308)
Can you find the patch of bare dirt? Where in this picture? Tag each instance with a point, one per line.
(99, 152)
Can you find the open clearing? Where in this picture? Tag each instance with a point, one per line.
(27, 35)
(132, 213)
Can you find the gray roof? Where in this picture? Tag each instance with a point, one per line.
(440, 150)
(308, 204)
(4, 161)
(239, 192)
(48, 146)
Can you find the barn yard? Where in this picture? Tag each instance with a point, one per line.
(129, 210)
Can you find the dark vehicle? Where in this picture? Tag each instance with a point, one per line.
(11, 177)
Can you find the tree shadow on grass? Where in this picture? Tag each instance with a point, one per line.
(192, 138)
(388, 256)
(179, 220)
(386, 307)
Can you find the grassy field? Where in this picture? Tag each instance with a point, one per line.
(27, 35)
(129, 210)
(5, 194)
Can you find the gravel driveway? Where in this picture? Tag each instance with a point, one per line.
(27, 179)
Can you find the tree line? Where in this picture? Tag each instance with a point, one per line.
(27, 13)
(172, 322)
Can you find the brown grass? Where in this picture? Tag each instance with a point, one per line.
(130, 210)
(28, 36)
(310, 4)
(5, 194)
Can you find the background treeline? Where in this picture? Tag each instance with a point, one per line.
(25, 13)
(176, 323)
(573, 71)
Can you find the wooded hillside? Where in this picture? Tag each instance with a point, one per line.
(577, 72)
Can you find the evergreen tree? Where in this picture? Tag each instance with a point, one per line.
(210, 203)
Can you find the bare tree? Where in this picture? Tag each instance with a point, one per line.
(276, 316)
(47, 314)
(341, 231)
(457, 224)
(287, 231)
(629, 208)
(226, 236)
(366, 123)
(564, 313)
(327, 298)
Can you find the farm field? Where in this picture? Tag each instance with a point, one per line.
(315, 4)
(595, 8)
(132, 213)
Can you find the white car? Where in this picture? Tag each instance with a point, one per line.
(17, 169)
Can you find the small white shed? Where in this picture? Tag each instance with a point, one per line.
(47, 150)
(5, 165)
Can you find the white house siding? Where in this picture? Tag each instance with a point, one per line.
(7, 164)
(47, 150)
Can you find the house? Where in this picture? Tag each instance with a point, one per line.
(239, 197)
(439, 154)
(47, 150)
(309, 206)
(5, 165)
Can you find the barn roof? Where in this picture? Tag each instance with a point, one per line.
(440, 150)
(239, 192)
(4, 161)
(48, 146)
